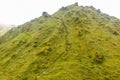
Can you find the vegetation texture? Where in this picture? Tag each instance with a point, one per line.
(75, 43)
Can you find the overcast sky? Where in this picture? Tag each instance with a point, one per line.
(20, 11)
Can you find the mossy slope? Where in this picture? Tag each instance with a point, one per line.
(75, 43)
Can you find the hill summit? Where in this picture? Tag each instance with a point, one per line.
(75, 43)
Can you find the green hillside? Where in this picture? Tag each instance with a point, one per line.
(75, 43)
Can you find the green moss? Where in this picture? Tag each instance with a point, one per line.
(75, 43)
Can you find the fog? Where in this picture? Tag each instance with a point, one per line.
(17, 12)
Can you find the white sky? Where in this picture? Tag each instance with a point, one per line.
(20, 11)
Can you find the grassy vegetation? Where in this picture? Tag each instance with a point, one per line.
(75, 43)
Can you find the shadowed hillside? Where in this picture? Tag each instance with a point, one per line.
(75, 43)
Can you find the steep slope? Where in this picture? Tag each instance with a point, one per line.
(75, 43)
(4, 28)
